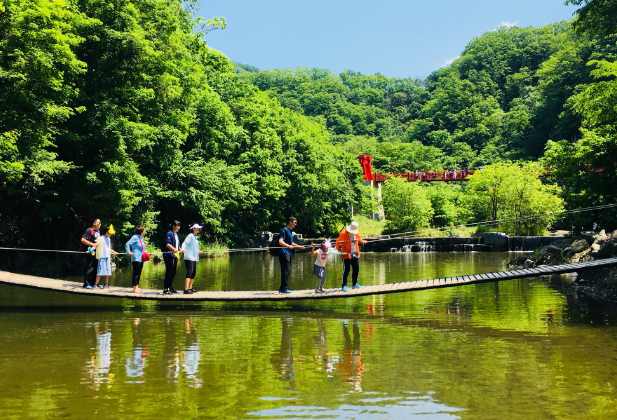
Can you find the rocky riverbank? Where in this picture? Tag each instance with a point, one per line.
(600, 285)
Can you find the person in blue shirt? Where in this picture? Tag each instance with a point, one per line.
(135, 247)
(190, 247)
(171, 253)
(286, 253)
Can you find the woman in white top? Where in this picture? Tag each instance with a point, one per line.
(319, 268)
(103, 253)
(190, 248)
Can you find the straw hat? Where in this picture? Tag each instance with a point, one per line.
(353, 228)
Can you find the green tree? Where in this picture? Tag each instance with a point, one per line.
(514, 194)
(596, 16)
(406, 204)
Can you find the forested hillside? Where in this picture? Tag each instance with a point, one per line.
(514, 94)
(120, 110)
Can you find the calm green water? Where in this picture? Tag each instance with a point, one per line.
(518, 349)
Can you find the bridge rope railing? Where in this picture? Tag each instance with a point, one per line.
(378, 238)
(418, 232)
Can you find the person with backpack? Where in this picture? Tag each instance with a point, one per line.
(348, 244)
(136, 248)
(286, 252)
(171, 253)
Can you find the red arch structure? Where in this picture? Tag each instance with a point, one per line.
(369, 175)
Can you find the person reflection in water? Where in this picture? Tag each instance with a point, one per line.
(191, 355)
(99, 365)
(327, 360)
(351, 366)
(283, 360)
(135, 364)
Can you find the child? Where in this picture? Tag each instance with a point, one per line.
(103, 254)
(319, 269)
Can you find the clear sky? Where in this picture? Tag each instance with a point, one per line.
(402, 38)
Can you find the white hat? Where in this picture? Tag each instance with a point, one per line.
(195, 226)
(353, 228)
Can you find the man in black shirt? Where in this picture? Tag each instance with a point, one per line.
(286, 253)
(88, 239)
(170, 256)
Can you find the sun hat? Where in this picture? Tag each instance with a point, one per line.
(195, 226)
(353, 227)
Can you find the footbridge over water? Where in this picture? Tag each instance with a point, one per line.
(70, 287)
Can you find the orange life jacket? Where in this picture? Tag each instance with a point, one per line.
(343, 244)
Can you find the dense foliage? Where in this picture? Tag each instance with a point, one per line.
(514, 94)
(119, 110)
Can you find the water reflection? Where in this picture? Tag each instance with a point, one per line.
(98, 367)
(135, 362)
(283, 360)
(483, 351)
(191, 355)
(351, 367)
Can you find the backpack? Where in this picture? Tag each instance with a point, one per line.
(274, 247)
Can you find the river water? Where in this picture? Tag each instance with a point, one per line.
(515, 349)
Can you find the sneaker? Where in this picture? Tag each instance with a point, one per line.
(101, 286)
(344, 289)
(89, 286)
(188, 292)
(285, 291)
(356, 286)
(167, 292)
(172, 290)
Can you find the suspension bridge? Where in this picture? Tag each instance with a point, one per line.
(63, 286)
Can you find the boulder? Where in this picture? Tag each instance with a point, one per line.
(549, 255)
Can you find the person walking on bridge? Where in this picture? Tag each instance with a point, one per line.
(286, 253)
(170, 257)
(136, 248)
(88, 243)
(190, 247)
(348, 244)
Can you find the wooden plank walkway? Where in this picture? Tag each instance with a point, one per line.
(63, 286)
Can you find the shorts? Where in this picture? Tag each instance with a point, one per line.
(191, 268)
(104, 267)
(319, 271)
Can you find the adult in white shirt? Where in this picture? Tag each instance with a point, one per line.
(190, 248)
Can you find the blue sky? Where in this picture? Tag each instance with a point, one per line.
(402, 38)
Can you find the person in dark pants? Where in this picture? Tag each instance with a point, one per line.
(88, 240)
(170, 256)
(286, 253)
(348, 243)
(136, 248)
